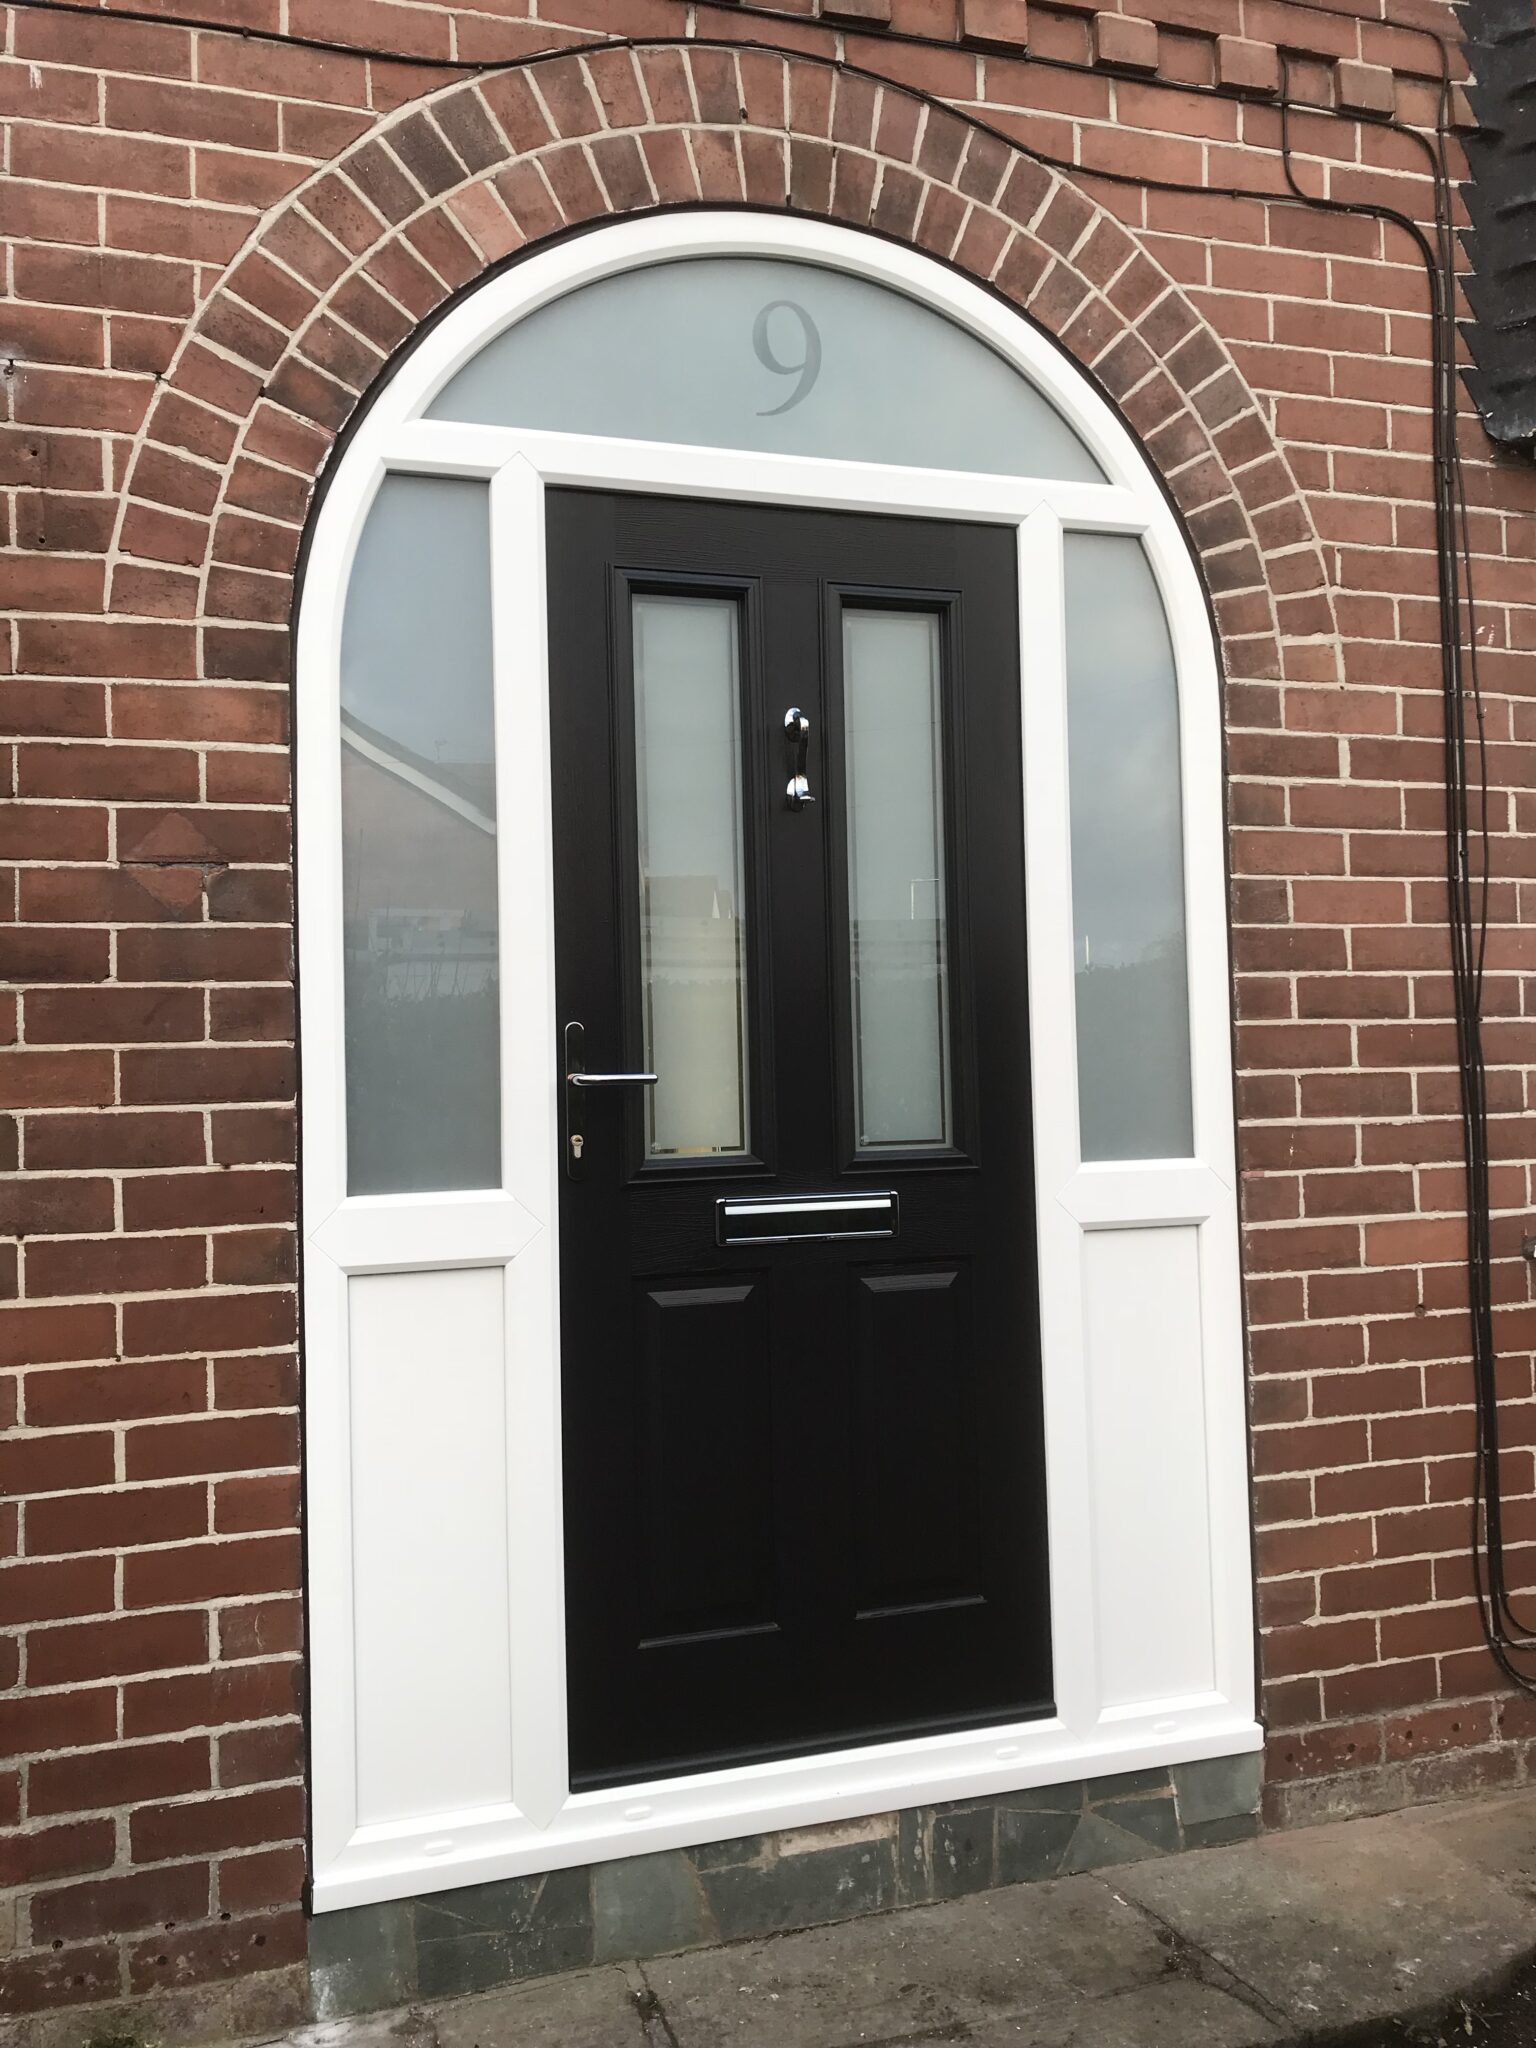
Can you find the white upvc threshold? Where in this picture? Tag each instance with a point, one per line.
(679, 1813)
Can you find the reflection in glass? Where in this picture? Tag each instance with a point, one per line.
(688, 779)
(894, 777)
(753, 352)
(1127, 857)
(418, 797)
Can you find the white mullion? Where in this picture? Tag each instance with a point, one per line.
(453, 448)
(530, 1139)
(524, 842)
(1048, 891)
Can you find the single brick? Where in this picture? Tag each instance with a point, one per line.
(1003, 23)
(1246, 66)
(1125, 42)
(1366, 88)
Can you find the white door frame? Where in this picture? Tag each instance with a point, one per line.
(1152, 1621)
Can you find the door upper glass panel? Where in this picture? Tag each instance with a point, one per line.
(752, 352)
(688, 775)
(897, 925)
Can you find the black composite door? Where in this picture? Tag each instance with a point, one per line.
(804, 1497)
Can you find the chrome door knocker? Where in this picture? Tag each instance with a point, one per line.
(797, 734)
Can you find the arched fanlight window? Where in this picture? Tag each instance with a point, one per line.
(762, 361)
(782, 357)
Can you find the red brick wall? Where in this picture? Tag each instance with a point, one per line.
(162, 435)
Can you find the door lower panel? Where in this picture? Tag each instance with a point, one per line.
(918, 1536)
(705, 1480)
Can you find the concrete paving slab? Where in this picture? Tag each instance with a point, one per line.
(1176, 2014)
(819, 1989)
(1359, 1919)
(1498, 1836)
(961, 1965)
(1086, 1936)
(593, 2009)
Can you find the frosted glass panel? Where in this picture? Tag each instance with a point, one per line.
(418, 798)
(692, 895)
(751, 352)
(1127, 857)
(894, 773)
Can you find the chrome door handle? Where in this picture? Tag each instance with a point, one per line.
(577, 1077)
(797, 737)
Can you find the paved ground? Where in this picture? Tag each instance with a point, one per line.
(1279, 1941)
(1504, 2019)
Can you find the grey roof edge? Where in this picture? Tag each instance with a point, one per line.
(1500, 197)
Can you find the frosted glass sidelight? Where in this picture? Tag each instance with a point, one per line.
(893, 755)
(755, 352)
(418, 801)
(1127, 857)
(688, 776)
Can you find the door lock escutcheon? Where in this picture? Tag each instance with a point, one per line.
(577, 1080)
(797, 737)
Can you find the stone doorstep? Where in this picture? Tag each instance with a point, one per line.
(479, 1937)
(1294, 1938)
(454, 1944)
(1289, 1938)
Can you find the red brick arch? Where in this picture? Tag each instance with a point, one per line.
(305, 319)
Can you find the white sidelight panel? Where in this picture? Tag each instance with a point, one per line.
(429, 1537)
(1145, 1362)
